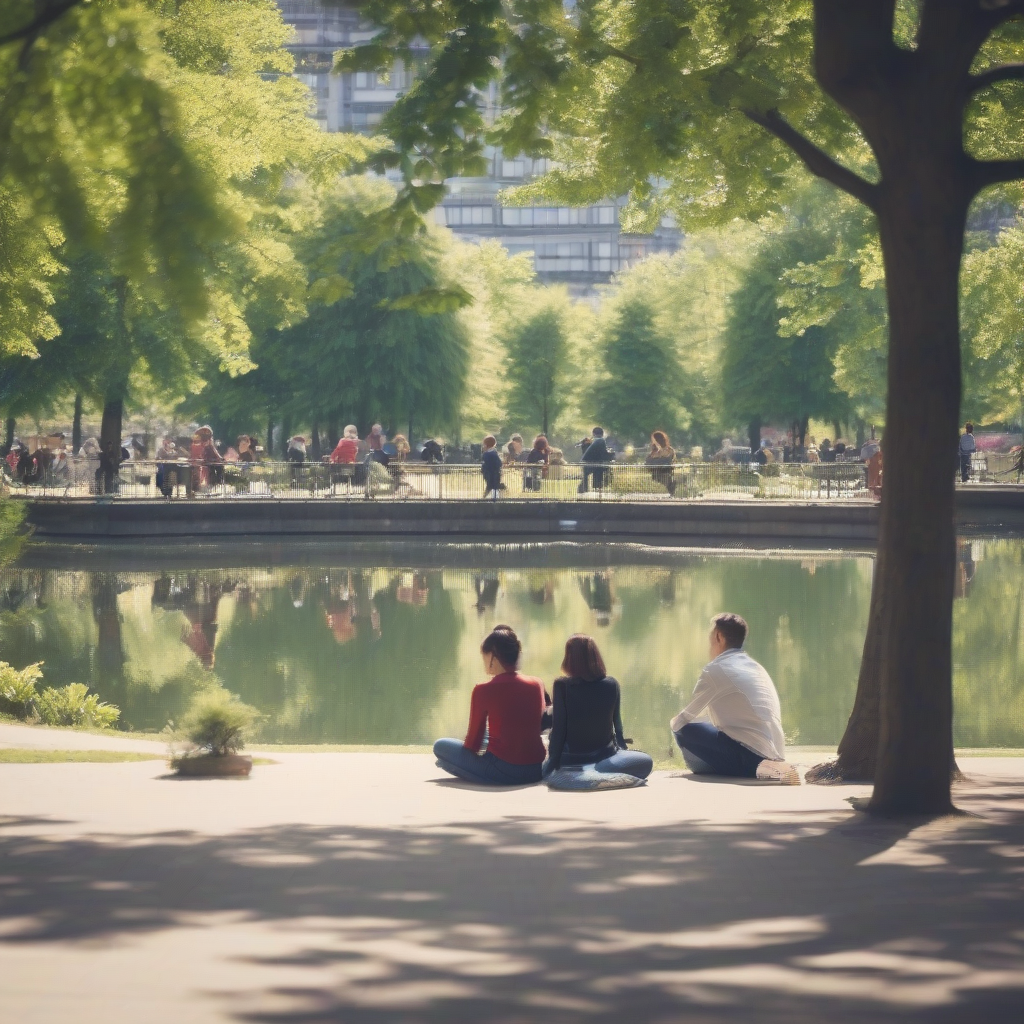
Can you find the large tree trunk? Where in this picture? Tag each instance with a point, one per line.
(110, 428)
(76, 426)
(9, 435)
(754, 434)
(314, 443)
(922, 226)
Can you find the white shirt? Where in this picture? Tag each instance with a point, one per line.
(739, 698)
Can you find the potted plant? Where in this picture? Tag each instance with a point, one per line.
(215, 727)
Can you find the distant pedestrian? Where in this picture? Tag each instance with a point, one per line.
(595, 458)
(432, 452)
(167, 469)
(660, 458)
(825, 452)
(347, 449)
(110, 462)
(968, 446)
(376, 439)
(867, 449)
(875, 471)
(538, 458)
(490, 467)
(513, 450)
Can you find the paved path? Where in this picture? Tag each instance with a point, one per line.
(366, 888)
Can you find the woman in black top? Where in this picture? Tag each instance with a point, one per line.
(586, 724)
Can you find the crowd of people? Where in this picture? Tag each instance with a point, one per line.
(732, 725)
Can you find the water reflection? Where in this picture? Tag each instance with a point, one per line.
(389, 655)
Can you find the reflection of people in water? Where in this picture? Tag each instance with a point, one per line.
(486, 588)
(339, 610)
(197, 599)
(108, 625)
(965, 568)
(413, 589)
(597, 592)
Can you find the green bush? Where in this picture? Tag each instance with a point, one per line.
(74, 705)
(218, 722)
(18, 690)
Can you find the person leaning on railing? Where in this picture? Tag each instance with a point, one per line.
(660, 458)
(538, 459)
(490, 467)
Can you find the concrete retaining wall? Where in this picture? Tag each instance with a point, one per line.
(988, 508)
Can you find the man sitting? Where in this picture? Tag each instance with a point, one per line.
(744, 737)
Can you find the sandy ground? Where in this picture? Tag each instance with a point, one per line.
(370, 888)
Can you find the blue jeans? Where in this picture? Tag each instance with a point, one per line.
(622, 762)
(709, 751)
(484, 768)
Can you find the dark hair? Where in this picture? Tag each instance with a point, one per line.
(490, 441)
(582, 659)
(598, 432)
(969, 427)
(503, 643)
(732, 627)
(540, 442)
(660, 437)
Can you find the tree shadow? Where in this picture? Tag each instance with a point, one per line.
(828, 915)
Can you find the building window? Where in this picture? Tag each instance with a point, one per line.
(465, 216)
(606, 215)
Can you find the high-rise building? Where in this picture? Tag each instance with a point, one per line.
(579, 246)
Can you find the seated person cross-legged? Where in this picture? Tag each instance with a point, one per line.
(744, 737)
(510, 708)
(586, 727)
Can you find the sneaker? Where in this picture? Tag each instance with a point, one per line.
(778, 771)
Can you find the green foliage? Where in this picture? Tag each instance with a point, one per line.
(383, 326)
(536, 363)
(992, 314)
(18, 689)
(643, 383)
(218, 722)
(768, 376)
(73, 705)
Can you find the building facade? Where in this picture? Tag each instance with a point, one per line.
(578, 246)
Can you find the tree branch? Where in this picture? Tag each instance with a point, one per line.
(995, 172)
(45, 17)
(1000, 73)
(816, 160)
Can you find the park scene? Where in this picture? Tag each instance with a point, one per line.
(511, 510)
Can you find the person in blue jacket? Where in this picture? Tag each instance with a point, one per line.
(490, 467)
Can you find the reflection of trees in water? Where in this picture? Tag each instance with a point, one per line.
(361, 660)
(988, 649)
(374, 655)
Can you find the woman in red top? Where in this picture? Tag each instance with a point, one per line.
(510, 708)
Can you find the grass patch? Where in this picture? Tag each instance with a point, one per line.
(341, 748)
(16, 755)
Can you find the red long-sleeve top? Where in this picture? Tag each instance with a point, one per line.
(511, 707)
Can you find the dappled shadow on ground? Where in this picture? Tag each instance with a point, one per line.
(824, 916)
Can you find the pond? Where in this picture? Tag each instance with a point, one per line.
(335, 648)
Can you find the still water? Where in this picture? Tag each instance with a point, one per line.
(363, 653)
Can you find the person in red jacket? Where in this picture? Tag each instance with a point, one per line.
(509, 708)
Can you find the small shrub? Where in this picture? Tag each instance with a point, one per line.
(218, 722)
(74, 705)
(18, 690)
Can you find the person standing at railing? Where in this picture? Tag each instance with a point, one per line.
(537, 457)
(109, 464)
(167, 469)
(596, 456)
(490, 467)
(347, 448)
(376, 439)
(661, 458)
(968, 446)
(212, 459)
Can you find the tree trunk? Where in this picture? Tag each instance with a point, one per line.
(76, 426)
(922, 227)
(268, 444)
(286, 433)
(9, 435)
(544, 425)
(110, 428)
(332, 433)
(314, 443)
(754, 434)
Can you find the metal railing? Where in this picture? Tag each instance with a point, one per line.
(79, 478)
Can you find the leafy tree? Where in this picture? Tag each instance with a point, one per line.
(993, 307)
(720, 101)
(771, 378)
(643, 385)
(536, 363)
(382, 339)
(128, 318)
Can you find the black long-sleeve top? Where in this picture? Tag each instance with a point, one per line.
(586, 723)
